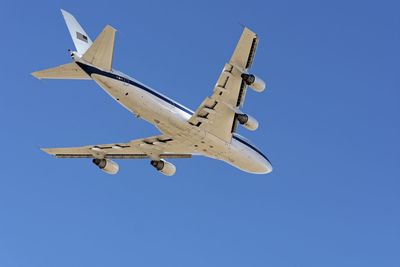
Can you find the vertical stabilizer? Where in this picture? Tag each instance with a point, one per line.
(79, 36)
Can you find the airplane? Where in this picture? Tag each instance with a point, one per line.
(209, 131)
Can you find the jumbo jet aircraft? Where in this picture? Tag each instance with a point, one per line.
(209, 131)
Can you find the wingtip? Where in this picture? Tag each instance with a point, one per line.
(34, 74)
(46, 150)
(247, 29)
(108, 26)
(242, 25)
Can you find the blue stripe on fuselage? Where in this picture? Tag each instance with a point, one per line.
(93, 70)
(251, 146)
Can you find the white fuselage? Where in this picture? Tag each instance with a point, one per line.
(172, 118)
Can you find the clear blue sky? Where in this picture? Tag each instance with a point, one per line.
(329, 123)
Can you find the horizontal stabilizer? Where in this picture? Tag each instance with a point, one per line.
(100, 54)
(66, 71)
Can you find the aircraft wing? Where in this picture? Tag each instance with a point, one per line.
(216, 113)
(152, 147)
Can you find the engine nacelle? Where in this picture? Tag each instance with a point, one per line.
(257, 84)
(164, 167)
(247, 121)
(107, 165)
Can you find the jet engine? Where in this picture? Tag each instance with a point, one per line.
(254, 82)
(107, 165)
(247, 121)
(164, 167)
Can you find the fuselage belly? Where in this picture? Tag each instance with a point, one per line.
(172, 121)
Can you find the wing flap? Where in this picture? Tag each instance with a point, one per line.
(216, 113)
(124, 156)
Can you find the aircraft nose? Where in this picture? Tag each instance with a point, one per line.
(262, 166)
(267, 166)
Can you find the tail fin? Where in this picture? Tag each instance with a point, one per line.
(79, 36)
(100, 54)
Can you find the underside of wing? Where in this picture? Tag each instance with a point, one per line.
(217, 113)
(156, 147)
(245, 50)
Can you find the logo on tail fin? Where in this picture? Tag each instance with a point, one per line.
(81, 37)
